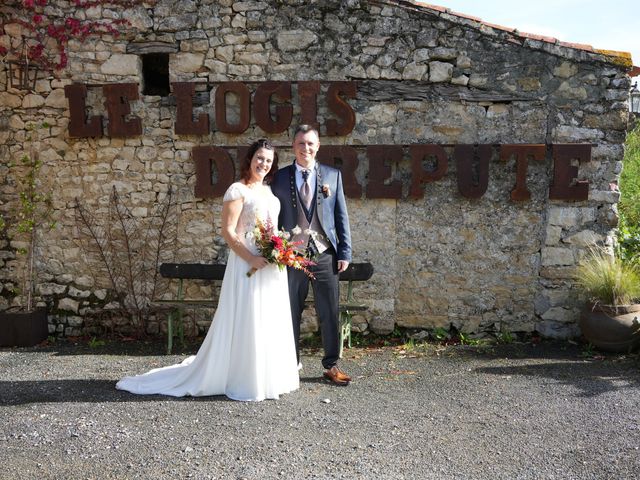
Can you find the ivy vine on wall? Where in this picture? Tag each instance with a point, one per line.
(38, 31)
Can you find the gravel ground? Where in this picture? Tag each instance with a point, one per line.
(517, 411)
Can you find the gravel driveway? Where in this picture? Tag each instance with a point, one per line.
(517, 411)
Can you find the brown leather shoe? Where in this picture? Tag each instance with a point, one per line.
(337, 376)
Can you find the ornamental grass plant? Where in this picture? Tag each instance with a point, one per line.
(607, 280)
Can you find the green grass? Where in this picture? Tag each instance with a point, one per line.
(629, 207)
(630, 179)
(95, 343)
(505, 337)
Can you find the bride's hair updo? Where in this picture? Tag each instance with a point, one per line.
(245, 166)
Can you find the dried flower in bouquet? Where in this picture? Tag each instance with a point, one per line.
(275, 246)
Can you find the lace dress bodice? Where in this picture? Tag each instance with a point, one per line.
(257, 203)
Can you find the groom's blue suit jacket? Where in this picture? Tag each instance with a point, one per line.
(332, 209)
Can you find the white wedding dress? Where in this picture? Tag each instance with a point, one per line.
(248, 353)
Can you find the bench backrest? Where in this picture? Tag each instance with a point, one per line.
(196, 271)
(357, 272)
(205, 271)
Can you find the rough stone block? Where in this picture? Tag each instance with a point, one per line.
(122, 64)
(382, 324)
(553, 236)
(460, 80)
(186, 62)
(560, 315)
(553, 256)
(552, 329)
(294, 40)
(32, 101)
(585, 238)
(68, 305)
(440, 72)
(57, 99)
(414, 71)
(47, 289)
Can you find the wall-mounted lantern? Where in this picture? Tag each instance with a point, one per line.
(634, 99)
(23, 75)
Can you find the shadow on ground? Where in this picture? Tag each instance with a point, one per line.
(77, 391)
(591, 377)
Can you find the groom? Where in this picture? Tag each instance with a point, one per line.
(312, 198)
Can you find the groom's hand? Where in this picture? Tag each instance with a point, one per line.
(342, 265)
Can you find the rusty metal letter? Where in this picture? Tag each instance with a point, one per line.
(418, 174)
(185, 125)
(379, 171)
(117, 103)
(472, 164)
(341, 108)
(345, 159)
(244, 103)
(522, 153)
(205, 158)
(564, 174)
(308, 93)
(283, 113)
(78, 125)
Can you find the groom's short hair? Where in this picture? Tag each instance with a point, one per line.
(304, 128)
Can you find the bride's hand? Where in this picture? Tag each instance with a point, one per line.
(257, 262)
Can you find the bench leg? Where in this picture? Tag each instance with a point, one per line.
(180, 328)
(177, 315)
(170, 332)
(345, 330)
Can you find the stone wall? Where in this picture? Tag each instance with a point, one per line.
(425, 76)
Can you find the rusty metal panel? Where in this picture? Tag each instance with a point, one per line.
(206, 158)
(380, 156)
(337, 104)
(472, 165)
(79, 126)
(522, 153)
(185, 124)
(345, 159)
(308, 95)
(283, 113)
(244, 102)
(419, 175)
(565, 184)
(117, 98)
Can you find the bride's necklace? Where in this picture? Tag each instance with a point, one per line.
(253, 185)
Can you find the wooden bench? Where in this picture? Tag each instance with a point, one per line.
(182, 272)
(357, 272)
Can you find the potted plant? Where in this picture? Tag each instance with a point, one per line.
(611, 319)
(23, 324)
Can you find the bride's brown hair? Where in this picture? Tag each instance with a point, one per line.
(245, 166)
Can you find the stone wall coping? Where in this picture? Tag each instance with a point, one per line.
(531, 40)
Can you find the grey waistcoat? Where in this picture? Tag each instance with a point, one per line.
(321, 243)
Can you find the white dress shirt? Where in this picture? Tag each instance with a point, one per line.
(312, 178)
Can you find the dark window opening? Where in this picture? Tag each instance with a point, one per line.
(155, 74)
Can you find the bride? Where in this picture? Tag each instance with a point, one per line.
(249, 353)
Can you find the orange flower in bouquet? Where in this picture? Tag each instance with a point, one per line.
(275, 246)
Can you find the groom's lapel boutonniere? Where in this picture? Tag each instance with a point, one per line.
(326, 191)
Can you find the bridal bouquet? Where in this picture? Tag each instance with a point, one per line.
(276, 247)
